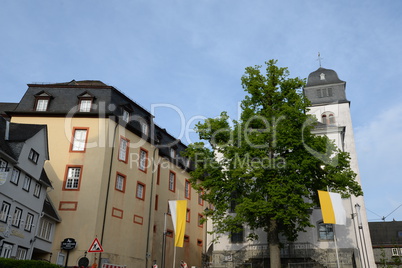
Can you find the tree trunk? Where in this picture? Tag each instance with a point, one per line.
(273, 241)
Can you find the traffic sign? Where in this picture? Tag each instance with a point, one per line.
(95, 246)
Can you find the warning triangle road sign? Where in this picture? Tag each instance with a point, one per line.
(95, 246)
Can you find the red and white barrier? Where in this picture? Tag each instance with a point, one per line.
(108, 265)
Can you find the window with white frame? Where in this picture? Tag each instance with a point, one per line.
(85, 105)
(120, 182)
(187, 189)
(395, 251)
(41, 104)
(143, 160)
(27, 183)
(5, 210)
(29, 222)
(45, 229)
(73, 178)
(172, 152)
(140, 191)
(123, 150)
(21, 253)
(80, 139)
(33, 156)
(17, 217)
(3, 165)
(126, 116)
(15, 176)
(37, 189)
(144, 128)
(172, 181)
(6, 250)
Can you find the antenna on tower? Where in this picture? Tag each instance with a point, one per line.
(319, 58)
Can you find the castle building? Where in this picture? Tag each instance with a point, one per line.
(113, 172)
(325, 245)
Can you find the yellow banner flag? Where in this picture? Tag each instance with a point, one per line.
(178, 210)
(332, 208)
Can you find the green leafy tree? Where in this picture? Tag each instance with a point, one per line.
(267, 166)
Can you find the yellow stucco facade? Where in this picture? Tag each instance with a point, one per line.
(122, 215)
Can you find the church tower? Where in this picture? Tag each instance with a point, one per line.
(327, 94)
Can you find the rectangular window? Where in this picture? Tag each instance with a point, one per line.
(120, 182)
(186, 238)
(172, 181)
(143, 161)
(85, 105)
(187, 189)
(27, 183)
(126, 116)
(73, 178)
(21, 253)
(41, 105)
(33, 156)
(123, 149)
(172, 152)
(6, 250)
(200, 220)
(45, 229)
(395, 252)
(140, 191)
(188, 215)
(237, 236)
(29, 222)
(15, 176)
(17, 217)
(37, 190)
(156, 202)
(144, 128)
(79, 140)
(158, 176)
(5, 209)
(3, 165)
(200, 200)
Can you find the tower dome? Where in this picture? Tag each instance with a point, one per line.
(324, 86)
(323, 76)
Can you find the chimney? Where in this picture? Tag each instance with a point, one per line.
(7, 132)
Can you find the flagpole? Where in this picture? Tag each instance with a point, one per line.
(174, 256)
(336, 250)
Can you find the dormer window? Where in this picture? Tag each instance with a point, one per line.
(33, 156)
(322, 76)
(144, 128)
(42, 101)
(85, 102)
(126, 116)
(172, 152)
(85, 105)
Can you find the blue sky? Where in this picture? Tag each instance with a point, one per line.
(183, 60)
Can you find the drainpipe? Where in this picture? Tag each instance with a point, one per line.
(107, 191)
(148, 254)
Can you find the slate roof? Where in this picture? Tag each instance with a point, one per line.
(49, 210)
(386, 233)
(330, 77)
(107, 102)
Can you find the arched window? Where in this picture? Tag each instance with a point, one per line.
(325, 231)
(328, 118)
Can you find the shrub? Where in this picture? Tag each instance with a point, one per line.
(11, 263)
